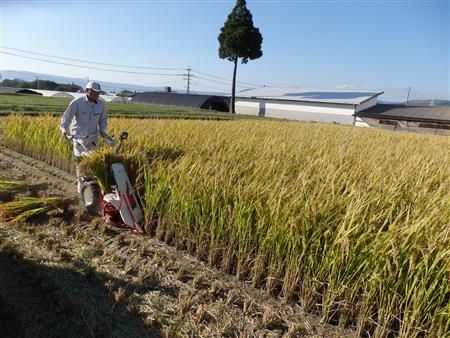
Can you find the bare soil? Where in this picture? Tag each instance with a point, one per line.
(70, 275)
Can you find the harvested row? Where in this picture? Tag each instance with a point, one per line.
(351, 223)
(49, 292)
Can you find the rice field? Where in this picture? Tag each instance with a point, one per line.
(36, 104)
(352, 224)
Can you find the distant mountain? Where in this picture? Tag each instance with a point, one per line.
(106, 86)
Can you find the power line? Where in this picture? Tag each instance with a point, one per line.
(222, 78)
(219, 82)
(207, 83)
(87, 61)
(209, 87)
(126, 66)
(89, 67)
(119, 65)
(188, 76)
(225, 79)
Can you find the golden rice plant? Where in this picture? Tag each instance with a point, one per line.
(354, 224)
(40, 141)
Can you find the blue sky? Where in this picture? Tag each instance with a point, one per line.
(387, 45)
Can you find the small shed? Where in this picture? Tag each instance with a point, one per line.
(193, 101)
(435, 119)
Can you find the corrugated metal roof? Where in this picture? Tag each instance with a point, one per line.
(437, 114)
(183, 100)
(353, 97)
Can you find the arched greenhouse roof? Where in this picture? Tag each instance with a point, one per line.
(219, 103)
(11, 90)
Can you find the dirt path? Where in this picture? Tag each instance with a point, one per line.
(74, 276)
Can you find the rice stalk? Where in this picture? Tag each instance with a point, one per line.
(26, 208)
(10, 186)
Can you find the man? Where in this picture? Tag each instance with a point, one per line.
(84, 119)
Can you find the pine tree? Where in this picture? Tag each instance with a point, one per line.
(238, 38)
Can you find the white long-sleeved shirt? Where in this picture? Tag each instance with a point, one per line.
(85, 119)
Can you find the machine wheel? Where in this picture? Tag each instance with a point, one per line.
(90, 197)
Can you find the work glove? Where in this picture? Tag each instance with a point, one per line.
(109, 141)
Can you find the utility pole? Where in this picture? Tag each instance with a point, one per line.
(188, 78)
(37, 81)
(409, 92)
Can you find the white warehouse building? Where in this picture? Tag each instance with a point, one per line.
(332, 106)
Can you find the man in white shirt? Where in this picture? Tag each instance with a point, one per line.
(84, 119)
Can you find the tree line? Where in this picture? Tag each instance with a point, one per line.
(41, 84)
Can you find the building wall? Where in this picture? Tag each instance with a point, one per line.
(300, 111)
(247, 107)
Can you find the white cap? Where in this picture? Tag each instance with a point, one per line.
(94, 86)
